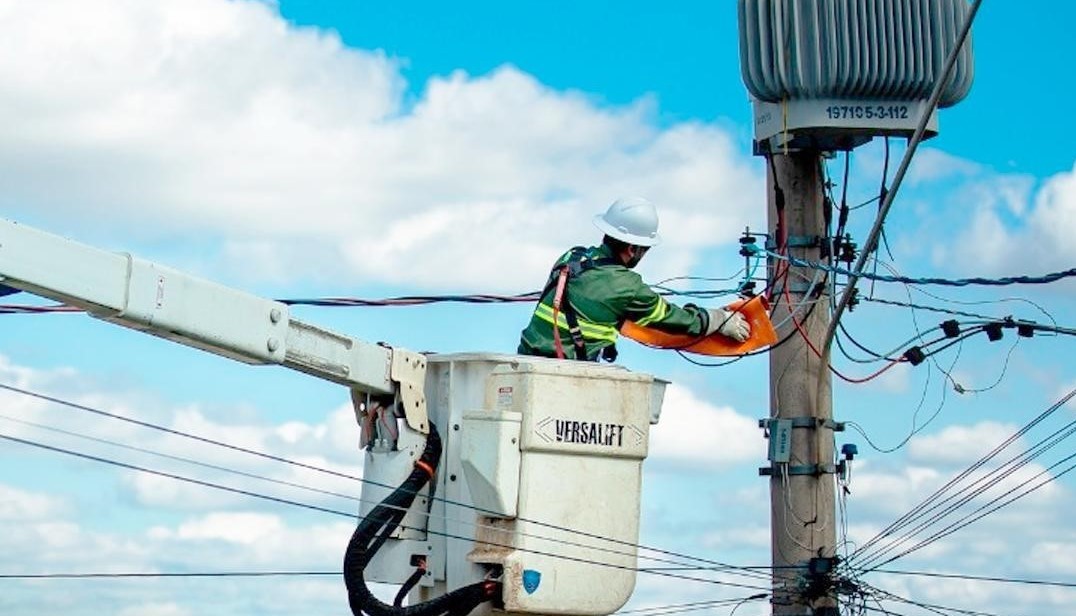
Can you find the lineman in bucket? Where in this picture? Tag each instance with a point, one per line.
(592, 291)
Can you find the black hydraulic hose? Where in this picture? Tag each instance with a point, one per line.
(409, 584)
(375, 528)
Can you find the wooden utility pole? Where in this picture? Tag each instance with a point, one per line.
(803, 525)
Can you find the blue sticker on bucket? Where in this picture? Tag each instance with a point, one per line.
(531, 580)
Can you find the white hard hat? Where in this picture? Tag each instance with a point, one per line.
(632, 220)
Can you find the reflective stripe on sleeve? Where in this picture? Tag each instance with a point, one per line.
(658, 313)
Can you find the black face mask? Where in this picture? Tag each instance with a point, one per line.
(637, 253)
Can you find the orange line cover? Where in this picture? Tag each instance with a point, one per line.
(755, 309)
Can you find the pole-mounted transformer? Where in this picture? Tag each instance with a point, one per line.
(832, 74)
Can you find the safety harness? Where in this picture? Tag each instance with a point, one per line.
(577, 263)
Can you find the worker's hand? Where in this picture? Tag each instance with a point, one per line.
(728, 323)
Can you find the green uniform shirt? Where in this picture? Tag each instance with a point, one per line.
(603, 298)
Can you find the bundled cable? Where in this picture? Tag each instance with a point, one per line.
(376, 528)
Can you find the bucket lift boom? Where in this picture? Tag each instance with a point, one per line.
(126, 290)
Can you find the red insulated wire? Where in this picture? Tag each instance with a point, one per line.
(782, 267)
(803, 334)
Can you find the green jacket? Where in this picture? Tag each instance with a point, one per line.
(603, 298)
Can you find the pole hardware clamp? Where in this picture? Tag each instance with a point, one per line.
(796, 241)
(807, 422)
(815, 470)
(801, 287)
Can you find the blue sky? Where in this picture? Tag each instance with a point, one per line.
(311, 149)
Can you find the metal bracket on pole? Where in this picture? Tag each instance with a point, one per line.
(801, 287)
(806, 422)
(409, 371)
(815, 470)
(814, 423)
(796, 241)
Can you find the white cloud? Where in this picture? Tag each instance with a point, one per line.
(252, 539)
(330, 446)
(1011, 227)
(57, 538)
(1053, 559)
(959, 444)
(18, 504)
(218, 120)
(154, 609)
(1054, 217)
(692, 431)
(756, 538)
(243, 528)
(932, 165)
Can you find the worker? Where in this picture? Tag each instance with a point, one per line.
(592, 291)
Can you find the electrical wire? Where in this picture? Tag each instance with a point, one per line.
(909, 153)
(164, 575)
(278, 500)
(946, 282)
(762, 351)
(711, 564)
(930, 607)
(191, 480)
(977, 578)
(875, 356)
(176, 458)
(817, 353)
(689, 607)
(933, 356)
(999, 300)
(949, 311)
(412, 300)
(990, 507)
(960, 389)
(915, 429)
(944, 501)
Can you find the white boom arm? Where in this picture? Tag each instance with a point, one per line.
(142, 295)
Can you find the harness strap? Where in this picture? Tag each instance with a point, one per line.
(573, 329)
(576, 264)
(562, 283)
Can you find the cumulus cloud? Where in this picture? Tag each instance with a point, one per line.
(74, 520)
(1009, 225)
(155, 609)
(932, 164)
(253, 538)
(52, 536)
(16, 504)
(290, 155)
(692, 431)
(959, 444)
(1028, 538)
(325, 455)
(1053, 556)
